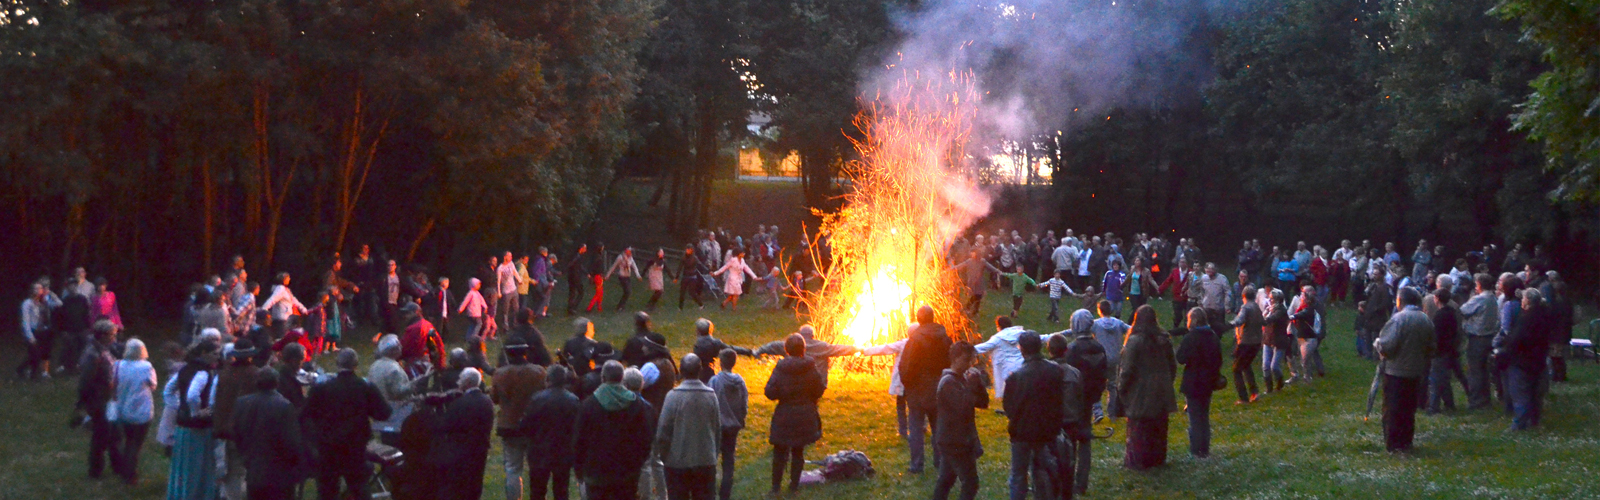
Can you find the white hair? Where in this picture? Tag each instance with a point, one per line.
(134, 350)
(470, 377)
(389, 346)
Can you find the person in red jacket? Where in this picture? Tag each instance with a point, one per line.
(1177, 279)
(1319, 272)
(420, 343)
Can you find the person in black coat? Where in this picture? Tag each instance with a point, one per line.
(960, 392)
(268, 436)
(1089, 357)
(708, 347)
(548, 423)
(576, 275)
(796, 386)
(97, 387)
(1200, 353)
(1446, 356)
(926, 356)
(1524, 350)
(644, 345)
(338, 420)
(613, 438)
(1033, 407)
(578, 352)
(524, 333)
(289, 385)
(464, 449)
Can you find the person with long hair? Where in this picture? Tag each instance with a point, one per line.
(1145, 379)
(795, 385)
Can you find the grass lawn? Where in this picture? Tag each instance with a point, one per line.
(1307, 442)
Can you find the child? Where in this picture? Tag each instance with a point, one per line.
(774, 285)
(436, 307)
(1055, 287)
(732, 401)
(1020, 281)
(1090, 297)
(316, 321)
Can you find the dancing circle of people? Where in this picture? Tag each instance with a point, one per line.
(248, 413)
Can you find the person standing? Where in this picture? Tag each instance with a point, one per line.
(136, 381)
(1056, 287)
(576, 275)
(235, 381)
(1525, 348)
(626, 270)
(595, 269)
(612, 438)
(1214, 297)
(1200, 353)
(1247, 345)
(511, 282)
(338, 416)
(97, 385)
(1446, 355)
(104, 304)
(192, 473)
(541, 283)
(548, 423)
(960, 392)
(36, 332)
(1277, 342)
(922, 365)
(464, 448)
(1114, 284)
(688, 433)
(1034, 414)
(1109, 331)
(1480, 322)
(268, 435)
(796, 385)
(733, 402)
(514, 385)
(1145, 379)
(655, 275)
(281, 305)
(1406, 346)
(1089, 357)
(1074, 415)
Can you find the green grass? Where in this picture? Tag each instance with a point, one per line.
(1306, 442)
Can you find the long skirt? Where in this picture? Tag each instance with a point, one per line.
(1147, 443)
(193, 472)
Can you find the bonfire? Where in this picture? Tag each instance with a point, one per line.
(912, 194)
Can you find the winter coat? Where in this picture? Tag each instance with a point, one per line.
(1406, 344)
(689, 428)
(1034, 407)
(1200, 353)
(1145, 379)
(612, 443)
(268, 438)
(1004, 355)
(796, 386)
(922, 363)
(1248, 324)
(1074, 408)
(1528, 343)
(1446, 332)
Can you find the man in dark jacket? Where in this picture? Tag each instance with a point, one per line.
(927, 354)
(1525, 349)
(642, 346)
(708, 347)
(524, 333)
(1033, 407)
(576, 275)
(960, 393)
(268, 437)
(613, 438)
(97, 386)
(1446, 356)
(578, 352)
(338, 418)
(1075, 430)
(289, 385)
(465, 430)
(1200, 353)
(548, 423)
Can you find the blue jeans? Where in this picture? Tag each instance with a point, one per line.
(1526, 404)
(1272, 360)
(1031, 459)
(1440, 394)
(1055, 310)
(1199, 424)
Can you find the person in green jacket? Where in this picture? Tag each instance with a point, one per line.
(1020, 281)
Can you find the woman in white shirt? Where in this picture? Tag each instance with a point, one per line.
(135, 406)
(281, 305)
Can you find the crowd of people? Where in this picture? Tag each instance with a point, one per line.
(248, 413)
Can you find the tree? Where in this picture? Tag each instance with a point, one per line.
(1563, 112)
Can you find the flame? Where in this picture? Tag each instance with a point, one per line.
(882, 305)
(912, 193)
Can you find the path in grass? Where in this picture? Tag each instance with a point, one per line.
(1306, 442)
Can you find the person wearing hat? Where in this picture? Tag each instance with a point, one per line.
(591, 381)
(514, 385)
(236, 380)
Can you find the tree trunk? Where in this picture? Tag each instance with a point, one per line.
(427, 227)
(351, 185)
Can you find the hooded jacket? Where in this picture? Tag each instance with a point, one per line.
(1034, 410)
(1088, 356)
(613, 435)
(959, 396)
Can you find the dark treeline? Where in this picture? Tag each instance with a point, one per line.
(150, 140)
